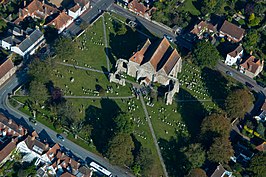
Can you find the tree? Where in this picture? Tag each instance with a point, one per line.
(144, 160)
(257, 165)
(64, 47)
(251, 40)
(237, 103)
(120, 150)
(38, 92)
(40, 70)
(67, 114)
(205, 54)
(195, 155)
(2, 25)
(215, 125)
(123, 123)
(197, 172)
(221, 150)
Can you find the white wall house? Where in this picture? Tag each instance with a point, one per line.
(234, 56)
(75, 11)
(33, 149)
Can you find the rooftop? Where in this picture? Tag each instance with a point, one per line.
(232, 30)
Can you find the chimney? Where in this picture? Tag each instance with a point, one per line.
(46, 146)
(25, 3)
(32, 138)
(10, 121)
(251, 52)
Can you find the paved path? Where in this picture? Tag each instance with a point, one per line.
(100, 97)
(153, 134)
(83, 68)
(106, 45)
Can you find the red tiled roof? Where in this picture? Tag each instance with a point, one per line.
(261, 147)
(139, 56)
(5, 67)
(203, 25)
(66, 174)
(75, 8)
(7, 149)
(252, 64)
(61, 20)
(53, 151)
(38, 9)
(171, 62)
(6, 123)
(232, 30)
(158, 54)
(35, 145)
(138, 7)
(235, 52)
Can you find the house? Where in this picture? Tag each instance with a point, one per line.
(204, 27)
(251, 66)
(261, 147)
(79, 7)
(30, 44)
(10, 128)
(140, 9)
(61, 22)
(10, 133)
(262, 116)
(36, 9)
(7, 69)
(231, 31)
(57, 3)
(234, 56)
(6, 150)
(153, 63)
(33, 148)
(221, 172)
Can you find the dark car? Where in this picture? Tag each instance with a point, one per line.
(229, 73)
(60, 137)
(32, 120)
(249, 85)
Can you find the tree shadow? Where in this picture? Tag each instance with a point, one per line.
(106, 72)
(101, 120)
(175, 161)
(123, 45)
(216, 85)
(108, 52)
(191, 111)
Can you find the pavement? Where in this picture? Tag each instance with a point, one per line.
(45, 132)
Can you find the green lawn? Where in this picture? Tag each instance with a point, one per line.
(188, 6)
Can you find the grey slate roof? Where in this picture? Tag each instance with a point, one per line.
(30, 40)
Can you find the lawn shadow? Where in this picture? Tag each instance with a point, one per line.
(216, 85)
(191, 111)
(101, 120)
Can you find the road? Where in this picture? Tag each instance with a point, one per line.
(100, 97)
(22, 118)
(245, 79)
(152, 27)
(98, 6)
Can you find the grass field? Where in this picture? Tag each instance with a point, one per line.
(189, 6)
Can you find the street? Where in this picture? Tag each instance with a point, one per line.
(97, 7)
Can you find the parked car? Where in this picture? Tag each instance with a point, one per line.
(168, 37)
(60, 137)
(229, 73)
(249, 85)
(32, 120)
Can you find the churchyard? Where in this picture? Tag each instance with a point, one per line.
(169, 121)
